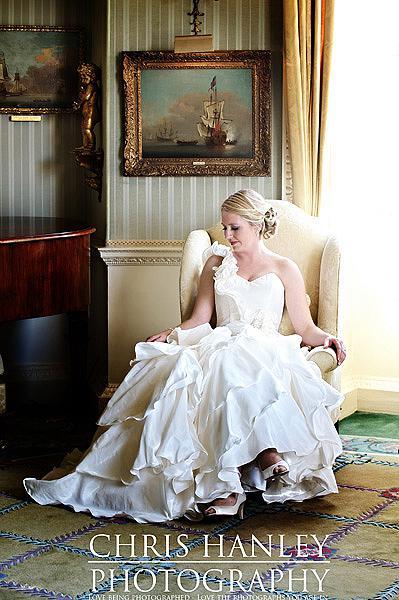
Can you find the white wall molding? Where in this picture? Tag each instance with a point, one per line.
(143, 294)
(142, 252)
(371, 394)
(144, 243)
(386, 384)
(349, 405)
(378, 401)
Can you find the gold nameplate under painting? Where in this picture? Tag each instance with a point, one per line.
(25, 118)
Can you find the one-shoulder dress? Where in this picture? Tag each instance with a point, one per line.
(190, 412)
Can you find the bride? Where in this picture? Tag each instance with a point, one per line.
(214, 414)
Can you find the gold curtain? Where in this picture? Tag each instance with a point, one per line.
(308, 30)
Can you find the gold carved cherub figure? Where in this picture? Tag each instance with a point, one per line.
(88, 102)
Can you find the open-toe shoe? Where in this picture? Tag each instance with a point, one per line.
(270, 473)
(228, 511)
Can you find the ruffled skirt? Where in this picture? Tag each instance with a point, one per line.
(189, 413)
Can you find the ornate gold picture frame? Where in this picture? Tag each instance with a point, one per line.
(38, 68)
(197, 113)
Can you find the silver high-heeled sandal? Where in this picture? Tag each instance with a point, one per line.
(229, 511)
(270, 474)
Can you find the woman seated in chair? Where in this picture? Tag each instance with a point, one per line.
(213, 414)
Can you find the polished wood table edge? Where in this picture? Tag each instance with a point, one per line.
(47, 236)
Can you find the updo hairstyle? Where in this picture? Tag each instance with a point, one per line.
(253, 207)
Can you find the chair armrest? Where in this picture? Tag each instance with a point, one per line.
(329, 301)
(325, 358)
(191, 268)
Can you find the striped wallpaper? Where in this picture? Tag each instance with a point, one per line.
(38, 174)
(169, 207)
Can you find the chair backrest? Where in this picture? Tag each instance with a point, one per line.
(299, 237)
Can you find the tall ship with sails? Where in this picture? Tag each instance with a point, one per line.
(16, 88)
(166, 133)
(213, 128)
(4, 77)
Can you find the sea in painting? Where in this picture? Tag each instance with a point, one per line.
(197, 113)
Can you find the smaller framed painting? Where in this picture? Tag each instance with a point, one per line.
(197, 113)
(38, 68)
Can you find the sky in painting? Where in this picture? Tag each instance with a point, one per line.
(177, 95)
(23, 49)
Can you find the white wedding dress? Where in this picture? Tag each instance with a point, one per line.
(192, 410)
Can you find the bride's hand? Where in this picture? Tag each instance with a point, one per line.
(160, 337)
(338, 346)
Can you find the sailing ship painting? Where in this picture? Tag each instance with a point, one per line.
(213, 128)
(38, 68)
(197, 113)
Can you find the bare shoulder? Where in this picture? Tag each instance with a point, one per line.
(287, 269)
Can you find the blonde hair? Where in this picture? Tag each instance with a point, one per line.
(253, 207)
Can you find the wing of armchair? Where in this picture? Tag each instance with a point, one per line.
(302, 238)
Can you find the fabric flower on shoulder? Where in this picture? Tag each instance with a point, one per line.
(215, 250)
(228, 267)
(226, 270)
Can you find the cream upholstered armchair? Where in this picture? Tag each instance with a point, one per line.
(302, 238)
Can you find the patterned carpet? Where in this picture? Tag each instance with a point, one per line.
(45, 551)
(370, 444)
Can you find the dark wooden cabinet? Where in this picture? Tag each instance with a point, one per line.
(44, 271)
(44, 267)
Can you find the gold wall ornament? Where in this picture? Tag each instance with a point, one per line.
(194, 42)
(93, 161)
(195, 13)
(88, 102)
(227, 131)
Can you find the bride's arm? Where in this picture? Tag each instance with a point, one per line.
(298, 310)
(204, 303)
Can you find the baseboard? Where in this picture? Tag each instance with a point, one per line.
(389, 384)
(371, 394)
(350, 404)
(378, 401)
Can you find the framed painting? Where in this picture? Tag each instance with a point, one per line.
(38, 68)
(197, 113)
